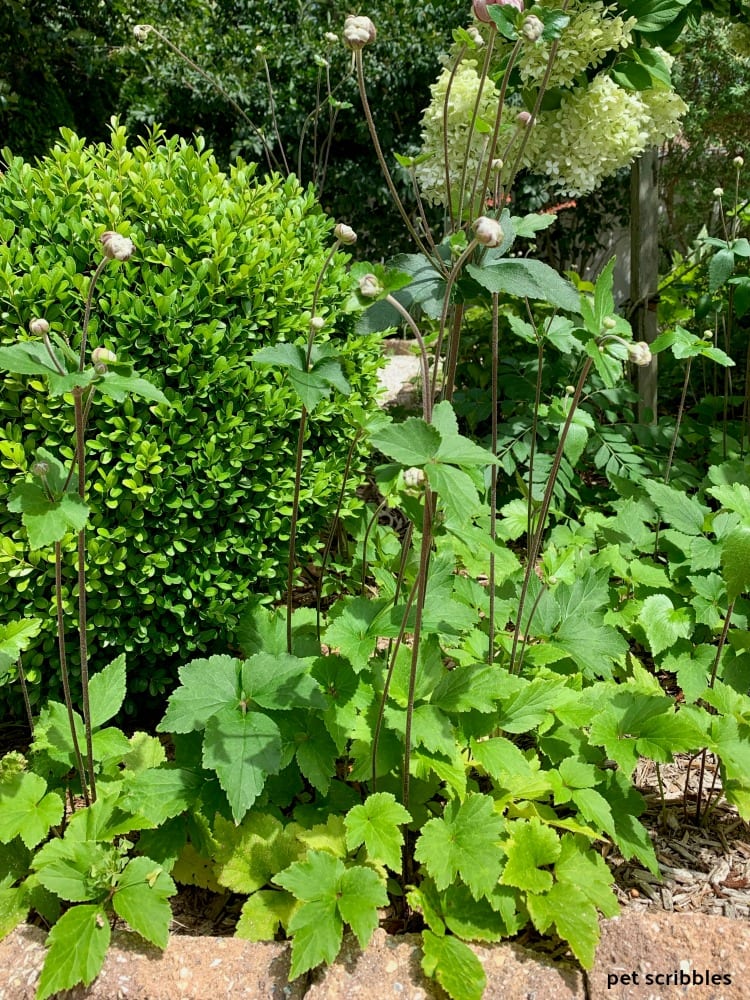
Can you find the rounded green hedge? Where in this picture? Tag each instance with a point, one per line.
(191, 503)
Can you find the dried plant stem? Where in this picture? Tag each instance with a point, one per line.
(301, 431)
(82, 640)
(446, 156)
(680, 412)
(65, 676)
(493, 472)
(427, 396)
(270, 158)
(712, 680)
(384, 166)
(25, 693)
(472, 124)
(424, 565)
(452, 278)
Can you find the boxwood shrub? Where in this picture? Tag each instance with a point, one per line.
(191, 503)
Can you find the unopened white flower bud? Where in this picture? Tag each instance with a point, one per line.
(117, 247)
(570, 389)
(639, 353)
(497, 164)
(474, 34)
(103, 356)
(524, 118)
(331, 36)
(140, 31)
(480, 7)
(317, 323)
(738, 162)
(488, 231)
(370, 286)
(40, 469)
(609, 323)
(532, 28)
(38, 327)
(718, 192)
(358, 32)
(708, 334)
(345, 234)
(413, 477)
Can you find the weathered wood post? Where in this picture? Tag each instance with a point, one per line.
(644, 272)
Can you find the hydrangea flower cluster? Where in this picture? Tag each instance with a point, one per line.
(739, 40)
(586, 40)
(463, 94)
(597, 130)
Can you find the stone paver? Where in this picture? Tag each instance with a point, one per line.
(637, 952)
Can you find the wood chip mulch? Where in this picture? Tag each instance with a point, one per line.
(704, 867)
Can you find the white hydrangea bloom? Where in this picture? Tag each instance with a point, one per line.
(664, 109)
(739, 40)
(597, 130)
(586, 40)
(458, 115)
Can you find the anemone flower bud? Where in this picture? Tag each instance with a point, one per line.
(413, 477)
(532, 28)
(331, 36)
(117, 247)
(480, 7)
(738, 162)
(639, 353)
(369, 286)
(708, 335)
(345, 234)
(718, 192)
(488, 231)
(475, 36)
(609, 322)
(40, 469)
(358, 32)
(524, 118)
(103, 356)
(140, 31)
(39, 327)
(317, 323)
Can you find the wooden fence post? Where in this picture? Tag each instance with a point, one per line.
(644, 272)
